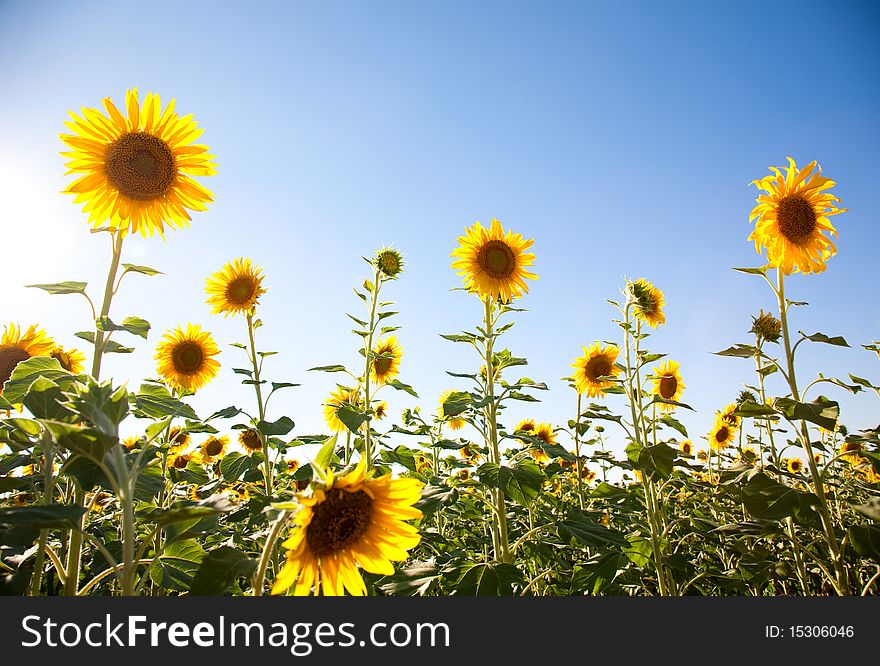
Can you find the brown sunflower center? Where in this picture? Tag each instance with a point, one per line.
(214, 447)
(251, 440)
(339, 521)
(497, 259)
(598, 366)
(382, 365)
(240, 290)
(796, 217)
(10, 356)
(141, 166)
(722, 434)
(188, 358)
(668, 387)
(180, 462)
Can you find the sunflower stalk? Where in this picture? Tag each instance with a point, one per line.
(268, 550)
(840, 580)
(100, 341)
(368, 355)
(261, 405)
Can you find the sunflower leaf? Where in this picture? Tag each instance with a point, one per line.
(400, 386)
(328, 368)
(521, 482)
(219, 569)
(822, 411)
(280, 427)
(837, 340)
(143, 270)
(133, 325)
(58, 288)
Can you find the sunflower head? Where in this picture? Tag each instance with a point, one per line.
(456, 422)
(748, 455)
(595, 370)
(791, 218)
(135, 169)
(721, 435)
(727, 415)
(186, 357)
(341, 397)
(766, 327)
(389, 262)
(352, 521)
(647, 301)
(292, 466)
(214, 448)
(178, 440)
(794, 465)
(850, 450)
(250, 440)
(493, 263)
(380, 409)
(668, 384)
(526, 425)
(235, 288)
(385, 365)
(182, 459)
(71, 360)
(131, 443)
(746, 396)
(17, 346)
(687, 447)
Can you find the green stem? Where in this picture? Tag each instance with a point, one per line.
(840, 581)
(268, 549)
(368, 354)
(577, 454)
(261, 407)
(117, 238)
(74, 547)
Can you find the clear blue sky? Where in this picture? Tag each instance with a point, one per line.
(621, 136)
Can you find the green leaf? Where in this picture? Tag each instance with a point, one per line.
(219, 569)
(588, 531)
(133, 325)
(865, 540)
(822, 411)
(280, 427)
(28, 371)
(43, 517)
(175, 568)
(457, 402)
(153, 401)
(521, 483)
(402, 455)
(436, 497)
(101, 405)
(44, 399)
(277, 386)
(226, 413)
(871, 510)
(88, 336)
(352, 417)
(766, 498)
(416, 579)
(751, 409)
(674, 424)
(656, 461)
(325, 454)
(143, 270)
(87, 442)
(113, 347)
(753, 271)
(328, 368)
(454, 337)
(61, 287)
(837, 340)
(739, 351)
(639, 550)
(188, 510)
(598, 572)
(488, 580)
(400, 386)
(234, 465)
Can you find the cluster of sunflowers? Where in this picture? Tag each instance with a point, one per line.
(784, 500)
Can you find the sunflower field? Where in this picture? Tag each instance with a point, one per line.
(776, 496)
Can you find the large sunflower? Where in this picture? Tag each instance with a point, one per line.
(341, 397)
(186, 357)
(353, 520)
(71, 360)
(17, 346)
(386, 360)
(137, 169)
(792, 216)
(493, 263)
(214, 448)
(722, 434)
(235, 288)
(649, 302)
(668, 384)
(597, 362)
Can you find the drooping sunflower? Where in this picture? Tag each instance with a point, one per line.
(493, 263)
(386, 360)
(71, 360)
(250, 439)
(526, 425)
(214, 448)
(17, 346)
(791, 218)
(341, 397)
(597, 362)
(722, 434)
(354, 520)
(186, 357)
(183, 458)
(235, 288)
(453, 422)
(380, 409)
(137, 169)
(668, 384)
(649, 302)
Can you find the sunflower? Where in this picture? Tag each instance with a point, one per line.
(235, 288)
(850, 452)
(214, 448)
(454, 422)
(178, 439)
(183, 458)
(526, 425)
(766, 327)
(70, 359)
(380, 409)
(131, 443)
(341, 397)
(353, 520)
(470, 452)
(292, 466)
(250, 439)
(596, 363)
(386, 360)
(137, 170)
(792, 216)
(493, 263)
(721, 435)
(668, 384)
(794, 465)
(648, 301)
(16, 347)
(186, 357)
(727, 415)
(389, 261)
(686, 447)
(748, 455)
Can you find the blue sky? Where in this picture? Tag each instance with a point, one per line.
(621, 136)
